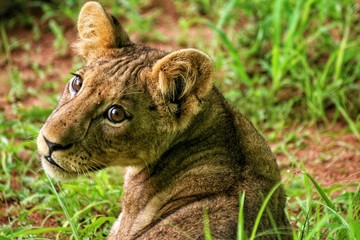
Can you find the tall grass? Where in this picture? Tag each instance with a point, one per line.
(324, 218)
(303, 49)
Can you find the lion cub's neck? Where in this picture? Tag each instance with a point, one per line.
(201, 162)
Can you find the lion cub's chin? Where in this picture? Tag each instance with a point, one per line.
(56, 172)
(62, 175)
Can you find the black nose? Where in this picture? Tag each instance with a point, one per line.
(56, 147)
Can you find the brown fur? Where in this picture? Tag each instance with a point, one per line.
(188, 153)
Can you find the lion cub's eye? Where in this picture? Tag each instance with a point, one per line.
(116, 114)
(76, 83)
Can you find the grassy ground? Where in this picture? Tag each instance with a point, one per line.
(291, 66)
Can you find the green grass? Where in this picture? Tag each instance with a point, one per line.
(321, 216)
(281, 62)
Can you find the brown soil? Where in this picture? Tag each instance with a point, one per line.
(330, 155)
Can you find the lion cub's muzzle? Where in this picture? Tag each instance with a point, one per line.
(55, 147)
(66, 160)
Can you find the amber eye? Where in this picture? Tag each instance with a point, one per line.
(76, 83)
(116, 114)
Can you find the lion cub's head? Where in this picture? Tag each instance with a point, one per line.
(126, 105)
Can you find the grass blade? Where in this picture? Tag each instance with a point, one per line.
(239, 66)
(352, 125)
(262, 209)
(41, 230)
(98, 223)
(337, 215)
(77, 214)
(207, 230)
(225, 13)
(321, 192)
(62, 204)
(241, 229)
(343, 44)
(276, 67)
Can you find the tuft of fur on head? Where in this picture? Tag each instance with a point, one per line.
(98, 32)
(183, 78)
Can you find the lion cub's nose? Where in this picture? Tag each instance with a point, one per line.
(56, 147)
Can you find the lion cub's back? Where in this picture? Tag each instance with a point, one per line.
(184, 223)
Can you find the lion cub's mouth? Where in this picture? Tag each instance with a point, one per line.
(51, 161)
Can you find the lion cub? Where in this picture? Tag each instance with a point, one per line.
(188, 153)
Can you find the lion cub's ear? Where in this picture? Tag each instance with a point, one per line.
(98, 32)
(184, 79)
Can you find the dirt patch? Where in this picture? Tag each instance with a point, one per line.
(331, 156)
(34, 68)
(38, 219)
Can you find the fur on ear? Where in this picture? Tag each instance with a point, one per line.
(98, 32)
(183, 78)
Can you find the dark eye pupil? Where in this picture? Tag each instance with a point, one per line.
(76, 83)
(116, 114)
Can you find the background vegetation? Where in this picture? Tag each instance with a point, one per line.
(290, 65)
